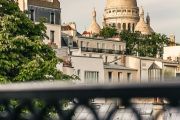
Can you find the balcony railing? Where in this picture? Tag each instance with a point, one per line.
(98, 50)
(19, 101)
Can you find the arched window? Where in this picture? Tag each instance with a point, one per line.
(124, 26)
(129, 26)
(154, 73)
(113, 25)
(133, 27)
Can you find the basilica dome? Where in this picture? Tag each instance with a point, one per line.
(121, 3)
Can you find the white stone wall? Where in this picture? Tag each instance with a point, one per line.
(142, 65)
(88, 64)
(23, 4)
(133, 62)
(57, 34)
(171, 51)
(124, 79)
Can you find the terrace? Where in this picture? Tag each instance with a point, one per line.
(99, 50)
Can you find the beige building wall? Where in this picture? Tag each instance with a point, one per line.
(171, 53)
(101, 43)
(169, 73)
(123, 79)
(143, 64)
(83, 64)
(57, 34)
(23, 4)
(133, 62)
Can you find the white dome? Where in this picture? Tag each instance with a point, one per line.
(94, 28)
(121, 3)
(142, 26)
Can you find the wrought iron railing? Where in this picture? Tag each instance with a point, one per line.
(99, 50)
(56, 101)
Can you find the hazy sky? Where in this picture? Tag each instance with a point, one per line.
(165, 14)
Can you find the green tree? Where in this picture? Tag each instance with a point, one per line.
(23, 55)
(144, 45)
(108, 32)
(132, 40)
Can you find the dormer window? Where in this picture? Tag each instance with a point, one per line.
(52, 18)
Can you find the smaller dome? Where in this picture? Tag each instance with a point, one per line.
(94, 27)
(142, 26)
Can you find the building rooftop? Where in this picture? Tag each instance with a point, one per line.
(118, 67)
(45, 3)
(102, 39)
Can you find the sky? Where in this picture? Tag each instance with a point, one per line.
(165, 14)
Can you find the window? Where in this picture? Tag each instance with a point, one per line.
(32, 15)
(133, 27)
(87, 44)
(123, 10)
(52, 36)
(154, 73)
(103, 46)
(124, 26)
(120, 47)
(118, 10)
(114, 47)
(129, 26)
(98, 46)
(114, 25)
(81, 44)
(110, 76)
(52, 18)
(91, 77)
(129, 77)
(120, 77)
(78, 72)
(106, 59)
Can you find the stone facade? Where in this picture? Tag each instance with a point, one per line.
(118, 74)
(48, 10)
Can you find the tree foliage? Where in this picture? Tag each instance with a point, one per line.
(144, 45)
(108, 32)
(23, 55)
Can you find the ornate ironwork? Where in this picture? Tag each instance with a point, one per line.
(51, 100)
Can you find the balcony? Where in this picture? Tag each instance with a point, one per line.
(98, 50)
(19, 101)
